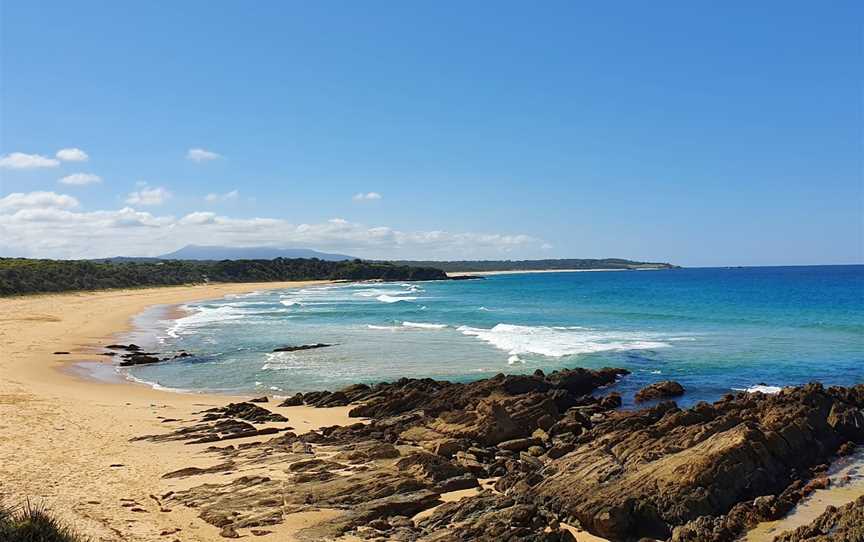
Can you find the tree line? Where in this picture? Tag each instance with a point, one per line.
(535, 265)
(26, 276)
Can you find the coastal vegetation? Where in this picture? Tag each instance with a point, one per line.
(32, 523)
(538, 265)
(26, 276)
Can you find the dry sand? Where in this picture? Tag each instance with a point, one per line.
(64, 440)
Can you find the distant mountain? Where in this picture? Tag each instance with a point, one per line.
(198, 252)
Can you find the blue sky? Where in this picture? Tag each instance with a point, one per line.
(702, 133)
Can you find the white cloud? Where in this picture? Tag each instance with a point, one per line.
(367, 196)
(79, 179)
(45, 224)
(201, 155)
(37, 200)
(198, 218)
(148, 196)
(20, 160)
(216, 198)
(72, 155)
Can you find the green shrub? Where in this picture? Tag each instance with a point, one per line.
(33, 523)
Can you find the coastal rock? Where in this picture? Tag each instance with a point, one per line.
(639, 474)
(844, 524)
(490, 516)
(296, 348)
(244, 411)
(560, 453)
(130, 360)
(294, 400)
(659, 390)
(517, 445)
(127, 347)
(437, 471)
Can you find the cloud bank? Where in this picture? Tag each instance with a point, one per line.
(47, 224)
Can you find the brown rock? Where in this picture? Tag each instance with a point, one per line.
(659, 390)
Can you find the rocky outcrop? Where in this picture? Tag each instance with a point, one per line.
(126, 347)
(844, 524)
(233, 421)
(640, 474)
(135, 356)
(491, 516)
(561, 454)
(296, 348)
(243, 411)
(659, 390)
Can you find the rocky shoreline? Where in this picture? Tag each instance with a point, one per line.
(534, 457)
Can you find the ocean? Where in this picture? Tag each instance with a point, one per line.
(713, 330)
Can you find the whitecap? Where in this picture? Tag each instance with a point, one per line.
(424, 325)
(560, 341)
(514, 359)
(384, 298)
(280, 361)
(761, 388)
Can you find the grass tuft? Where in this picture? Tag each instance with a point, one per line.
(33, 523)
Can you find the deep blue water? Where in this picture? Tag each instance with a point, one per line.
(713, 330)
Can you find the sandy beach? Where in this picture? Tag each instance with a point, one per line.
(64, 440)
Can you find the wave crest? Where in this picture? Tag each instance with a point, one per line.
(560, 341)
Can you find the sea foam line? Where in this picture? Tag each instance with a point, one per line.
(560, 341)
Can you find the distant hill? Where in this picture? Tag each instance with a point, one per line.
(537, 265)
(199, 252)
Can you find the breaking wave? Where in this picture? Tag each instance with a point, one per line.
(560, 341)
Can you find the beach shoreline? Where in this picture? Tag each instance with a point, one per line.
(65, 437)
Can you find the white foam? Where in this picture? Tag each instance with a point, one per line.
(406, 326)
(560, 341)
(384, 298)
(241, 296)
(514, 359)
(280, 361)
(156, 385)
(385, 328)
(291, 303)
(761, 388)
(424, 325)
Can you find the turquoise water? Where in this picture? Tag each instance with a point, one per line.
(713, 330)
